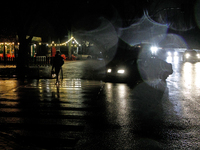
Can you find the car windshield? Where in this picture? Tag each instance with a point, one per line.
(191, 52)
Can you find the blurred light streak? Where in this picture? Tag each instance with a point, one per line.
(74, 83)
(8, 89)
(169, 59)
(187, 74)
(122, 91)
(117, 96)
(197, 75)
(122, 98)
(109, 92)
(176, 60)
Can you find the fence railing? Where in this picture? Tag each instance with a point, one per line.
(39, 60)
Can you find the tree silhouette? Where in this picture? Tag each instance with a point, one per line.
(25, 20)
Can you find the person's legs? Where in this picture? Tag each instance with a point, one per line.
(57, 70)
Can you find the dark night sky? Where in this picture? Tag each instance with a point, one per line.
(56, 17)
(62, 12)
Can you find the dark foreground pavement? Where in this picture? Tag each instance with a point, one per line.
(79, 114)
(37, 114)
(84, 112)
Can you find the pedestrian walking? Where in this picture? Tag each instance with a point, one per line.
(58, 61)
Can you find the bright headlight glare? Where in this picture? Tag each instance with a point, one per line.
(169, 53)
(109, 70)
(187, 55)
(121, 71)
(154, 49)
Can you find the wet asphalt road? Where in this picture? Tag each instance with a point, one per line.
(86, 113)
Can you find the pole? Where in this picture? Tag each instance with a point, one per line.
(69, 46)
(4, 53)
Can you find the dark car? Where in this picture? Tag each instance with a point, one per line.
(134, 70)
(122, 71)
(137, 64)
(191, 55)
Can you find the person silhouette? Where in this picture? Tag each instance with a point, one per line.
(58, 61)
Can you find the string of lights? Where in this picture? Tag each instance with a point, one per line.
(72, 38)
(7, 43)
(47, 44)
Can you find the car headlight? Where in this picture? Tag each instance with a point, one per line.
(154, 49)
(187, 55)
(109, 70)
(121, 71)
(175, 53)
(198, 56)
(169, 53)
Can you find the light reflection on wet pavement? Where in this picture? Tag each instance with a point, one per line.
(39, 114)
(91, 114)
